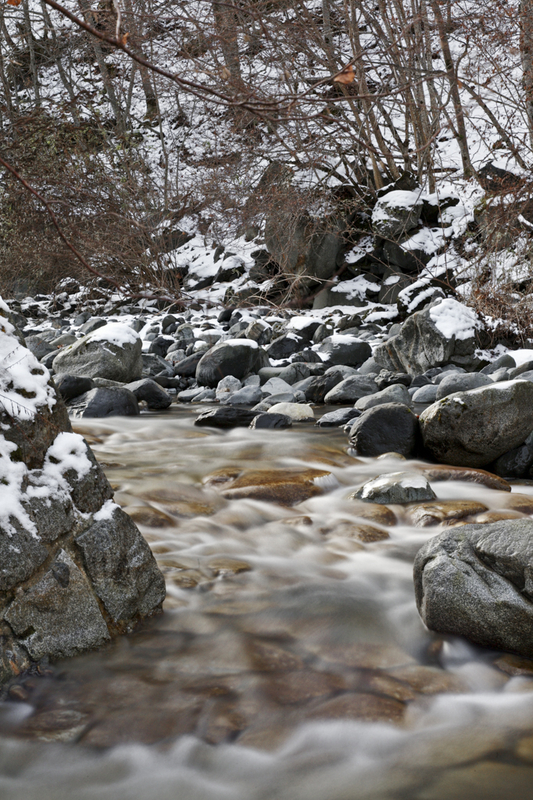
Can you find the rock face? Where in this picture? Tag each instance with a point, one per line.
(74, 569)
(476, 581)
(471, 429)
(112, 352)
(426, 339)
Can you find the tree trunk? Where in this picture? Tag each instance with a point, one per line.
(526, 52)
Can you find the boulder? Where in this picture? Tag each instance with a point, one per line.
(74, 570)
(149, 392)
(306, 248)
(387, 428)
(71, 386)
(345, 349)
(396, 213)
(106, 402)
(226, 417)
(461, 382)
(267, 420)
(515, 463)
(476, 581)
(237, 357)
(112, 351)
(338, 418)
(472, 429)
(350, 389)
(397, 393)
(442, 333)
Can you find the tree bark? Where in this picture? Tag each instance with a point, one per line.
(526, 52)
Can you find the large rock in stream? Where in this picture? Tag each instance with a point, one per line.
(472, 429)
(74, 569)
(112, 351)
(442, 333)
(476, 581)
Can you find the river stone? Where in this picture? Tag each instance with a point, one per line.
(346, 350)
(461, 382)
(338, 418)
(237, 357)
(226, 417)
(392, 394)
(298, 412)
(247, 396)
(105, 402)
(350, 389)
(473, 428)
(186, 368)
(515, 463)
(476, 581)
(437, 335)
(151, 393)
(71, 386)
(425, 394)
(396, 487)
(316, 387)
(267, 420)
(112, 352)
(385, 428)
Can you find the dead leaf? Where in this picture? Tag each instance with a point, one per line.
(345, 76)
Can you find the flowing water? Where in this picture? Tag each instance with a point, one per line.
(290, 662)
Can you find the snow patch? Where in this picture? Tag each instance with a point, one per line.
(453, 319)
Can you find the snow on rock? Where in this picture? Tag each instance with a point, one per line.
(453, 319)
(116, 333)
(78, 557)
(24, 383)
(396, 213)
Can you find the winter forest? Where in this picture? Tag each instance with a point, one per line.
(141, 126)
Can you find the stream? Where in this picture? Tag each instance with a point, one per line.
(290, 661)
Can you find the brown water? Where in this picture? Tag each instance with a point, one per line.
(290, 661)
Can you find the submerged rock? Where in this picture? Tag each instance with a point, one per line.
(476, 581)
(74, 569)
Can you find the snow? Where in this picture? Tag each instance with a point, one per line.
(24, 382)
(12, 476)
(395, 200)
(67, 452)
(114, 333)
(106, 512)
(242, 342)
(453, 319)
(521, 356)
